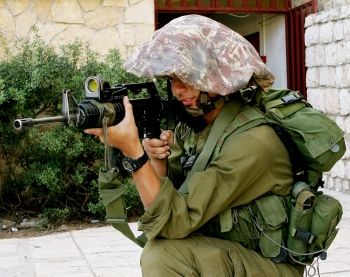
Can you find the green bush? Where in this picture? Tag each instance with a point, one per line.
(54, 217)
(51, 168)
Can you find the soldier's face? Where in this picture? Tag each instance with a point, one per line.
(184, 93)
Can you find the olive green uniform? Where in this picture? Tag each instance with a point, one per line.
(248, 165)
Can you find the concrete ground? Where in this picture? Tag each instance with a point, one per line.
(103, 252)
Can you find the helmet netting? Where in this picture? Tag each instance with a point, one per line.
(202, 53)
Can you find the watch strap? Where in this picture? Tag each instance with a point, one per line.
(132, 165)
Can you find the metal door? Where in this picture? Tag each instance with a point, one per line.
(295, 34)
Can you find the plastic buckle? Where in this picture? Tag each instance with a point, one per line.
(290, 98)
(305, 236)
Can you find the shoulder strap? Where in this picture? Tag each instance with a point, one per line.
(223, 120)
(231, 119)
(248, 118)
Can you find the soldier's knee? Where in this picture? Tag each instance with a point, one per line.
(153, 253)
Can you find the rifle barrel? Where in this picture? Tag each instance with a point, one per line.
(23, 123)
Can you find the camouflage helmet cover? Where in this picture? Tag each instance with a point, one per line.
(202, 53)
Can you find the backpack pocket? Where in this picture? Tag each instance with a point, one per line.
(319, 140)
(299, 234)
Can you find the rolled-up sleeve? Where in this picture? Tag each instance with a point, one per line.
(158, 214)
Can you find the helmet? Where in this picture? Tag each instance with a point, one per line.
(202, 53)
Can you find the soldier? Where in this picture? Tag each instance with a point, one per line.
(198, 183)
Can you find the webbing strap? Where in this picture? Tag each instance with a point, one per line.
(303, 235)
(274, 103)
(305, 199)
(111, 192)
(228, 113)
(292, 97)
(124, 228)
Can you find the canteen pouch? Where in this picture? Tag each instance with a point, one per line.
(300, 219)
(311, 231)
(299, 230)
(325, 218)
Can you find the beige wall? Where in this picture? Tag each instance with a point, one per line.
(296, 3)
(105, 24)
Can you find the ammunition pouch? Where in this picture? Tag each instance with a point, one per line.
(247, 225)
(280, 227)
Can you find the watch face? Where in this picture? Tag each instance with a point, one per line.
(127, 165)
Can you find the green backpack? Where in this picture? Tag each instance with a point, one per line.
(299, 227)
(314, 141)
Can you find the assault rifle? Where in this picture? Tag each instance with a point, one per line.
(105, 102)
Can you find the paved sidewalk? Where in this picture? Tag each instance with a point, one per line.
(103, 252)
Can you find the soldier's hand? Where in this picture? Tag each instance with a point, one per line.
(124, 135)
(159, 148)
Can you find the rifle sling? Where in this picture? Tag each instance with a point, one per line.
(111, 192)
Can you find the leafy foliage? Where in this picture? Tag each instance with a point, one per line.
(51, 170)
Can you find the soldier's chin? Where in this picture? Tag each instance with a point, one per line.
(194, 111)
(197, 123)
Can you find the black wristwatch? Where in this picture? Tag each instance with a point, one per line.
(132, 165)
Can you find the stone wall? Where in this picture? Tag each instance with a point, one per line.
(327, 40)
(105, 24)
(325, 5)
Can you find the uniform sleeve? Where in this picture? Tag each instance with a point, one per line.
(246, 168)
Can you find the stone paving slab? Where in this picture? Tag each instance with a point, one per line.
(91, 252)
(104, 252)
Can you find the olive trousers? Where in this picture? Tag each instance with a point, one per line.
(198, 255)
